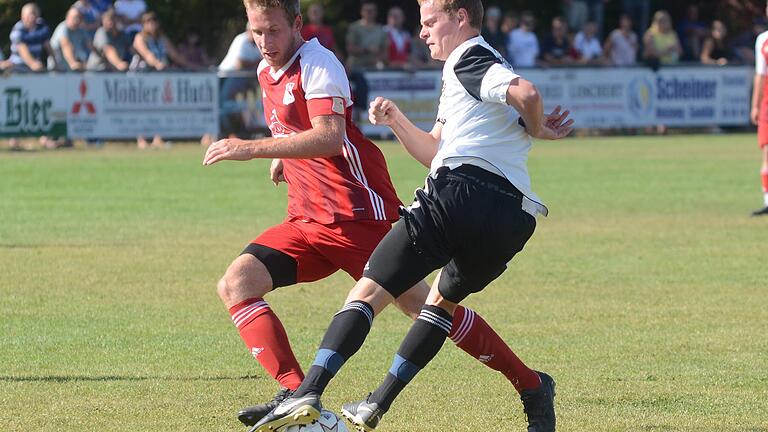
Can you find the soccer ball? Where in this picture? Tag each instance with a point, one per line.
(328, 422)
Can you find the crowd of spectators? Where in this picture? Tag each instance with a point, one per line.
(104, 36)
(100, 36)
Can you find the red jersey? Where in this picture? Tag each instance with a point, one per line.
(352, 186)
(399, 46)
(322, 32)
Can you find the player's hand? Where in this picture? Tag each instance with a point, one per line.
(754, 115)
(276, 171)
(383, 112)
(556, 125)
(227, 149)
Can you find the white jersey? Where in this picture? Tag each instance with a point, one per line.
(478, 125)
(761, 54)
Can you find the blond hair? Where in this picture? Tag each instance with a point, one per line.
(474, 9)
(291, 8)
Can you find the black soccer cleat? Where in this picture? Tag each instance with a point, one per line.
(292, 411)
(539, 405)
(249, 416)
(364, 415)
(762, 212)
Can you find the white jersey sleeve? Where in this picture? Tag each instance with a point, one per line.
(760, 61)
(322, 75)
(484, 74)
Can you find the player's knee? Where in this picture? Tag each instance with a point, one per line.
(224, 289)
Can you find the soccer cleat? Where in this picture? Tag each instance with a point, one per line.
(293, 411)
(761, 212)
(363, 414)
(252, 414)
(539, 405)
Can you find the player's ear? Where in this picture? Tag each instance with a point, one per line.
(462, 16)
(298, 23)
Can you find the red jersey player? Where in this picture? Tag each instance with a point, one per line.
(759, 113)
(341, 202)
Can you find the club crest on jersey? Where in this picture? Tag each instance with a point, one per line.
(278, 129)
(288, 97)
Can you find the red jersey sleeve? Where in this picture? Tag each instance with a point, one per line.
(325, 84)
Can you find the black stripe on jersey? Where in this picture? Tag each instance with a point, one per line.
(472, 67)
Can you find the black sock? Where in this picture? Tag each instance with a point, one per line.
(420, 346)
(344, 337)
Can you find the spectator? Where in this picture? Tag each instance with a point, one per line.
(110, 46)
(129, 14)
(153, 52)
(90, 14)
(243, 54)
(71, 43)
(743, 47)
(621, 45)
(153, 49)
(638, 12)
(556, 48)
(715, 51)
(191, 49)
(581, 11)
(660, 43)
(510, 22)
(235, 113)
(29, 38)
(587, 45)
(5, 64)
(691, 32)
(366, 40)
(492, 33)
(523, 46)
(399, 53)
(315, 28)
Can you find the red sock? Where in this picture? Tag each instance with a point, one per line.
(265, 337)
(471, 333)
(764, 176)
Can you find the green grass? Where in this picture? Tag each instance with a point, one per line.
(643, 294)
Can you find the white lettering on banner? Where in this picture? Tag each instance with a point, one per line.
(598, 97)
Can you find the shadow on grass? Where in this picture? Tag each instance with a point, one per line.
(86, 378)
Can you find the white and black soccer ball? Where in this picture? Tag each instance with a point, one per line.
(327, 422)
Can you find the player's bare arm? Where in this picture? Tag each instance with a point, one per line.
(523, 96)
(756, 97)
(323, 140)
(420, 144)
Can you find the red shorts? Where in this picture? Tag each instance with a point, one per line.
(320, 250)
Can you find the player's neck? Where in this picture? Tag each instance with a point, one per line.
(297, 43)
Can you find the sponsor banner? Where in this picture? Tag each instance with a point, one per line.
(600, 97)
(415, 93)
(32, 105)
(172, 105)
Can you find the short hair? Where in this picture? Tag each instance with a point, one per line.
(31, 7)
(474, 9)
(292, 8)
(109, 13)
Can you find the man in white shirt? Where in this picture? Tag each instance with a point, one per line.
(587, 44)
(476, 212)
(522, 45)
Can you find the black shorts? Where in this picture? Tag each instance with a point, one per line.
(469, 221)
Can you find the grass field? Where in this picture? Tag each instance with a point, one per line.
(643, 294)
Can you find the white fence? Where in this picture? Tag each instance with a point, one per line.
(187, 105)
(106, 105)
